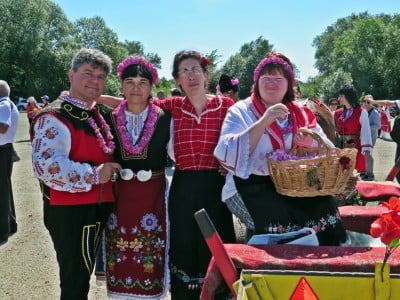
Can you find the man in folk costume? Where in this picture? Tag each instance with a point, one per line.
(72, 149)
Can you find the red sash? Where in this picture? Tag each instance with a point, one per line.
(300, 117)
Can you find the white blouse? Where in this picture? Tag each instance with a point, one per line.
(135, 123)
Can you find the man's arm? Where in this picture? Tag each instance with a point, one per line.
(51, 144)
(387, 103)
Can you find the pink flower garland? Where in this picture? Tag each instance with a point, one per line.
(147, 133)
(107, 144)
(137, 60)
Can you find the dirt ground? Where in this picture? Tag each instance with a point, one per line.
(28, 267)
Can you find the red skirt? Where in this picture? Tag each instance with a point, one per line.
(361, 164)
(136, 241)
(385, 123)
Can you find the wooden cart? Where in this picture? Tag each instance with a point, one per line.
(279, 271)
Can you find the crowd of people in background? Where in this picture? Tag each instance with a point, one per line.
(102, 167)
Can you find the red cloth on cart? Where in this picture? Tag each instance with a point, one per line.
(360, 218)
(377, 190)
(296, 257)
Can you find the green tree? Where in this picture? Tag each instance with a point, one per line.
(331, 84)
(94, 33)
(366, 47)
(213, 73)
(165, 85)
(35, 47)
(137, 48)
(242, 64)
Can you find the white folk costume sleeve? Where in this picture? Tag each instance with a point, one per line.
(233, 148)
(365, 136)
(50, 158)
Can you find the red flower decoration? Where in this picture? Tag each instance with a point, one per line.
(392, 204)
(205, 61)
(345, 162)
(387, 227)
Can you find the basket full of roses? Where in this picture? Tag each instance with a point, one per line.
(319, 171)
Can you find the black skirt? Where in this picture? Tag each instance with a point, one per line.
(275, 213)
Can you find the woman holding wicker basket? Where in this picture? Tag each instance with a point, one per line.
(267, 121)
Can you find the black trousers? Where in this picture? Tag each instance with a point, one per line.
(76, 232)
(189, 253)
(8, 223)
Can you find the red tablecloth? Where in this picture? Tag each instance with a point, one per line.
(294, 257)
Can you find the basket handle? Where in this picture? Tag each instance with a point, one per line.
(322, 145)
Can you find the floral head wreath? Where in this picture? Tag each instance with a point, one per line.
(137, 60)
(235, 81)
(273, 60)
(205, 61)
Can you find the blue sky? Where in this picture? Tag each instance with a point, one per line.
(168, 26)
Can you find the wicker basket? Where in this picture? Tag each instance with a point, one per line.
(318, 176)
(348, 195)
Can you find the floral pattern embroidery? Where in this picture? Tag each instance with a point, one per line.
(142, 246)
(192, 283)
(149, 222)
(74, 176)
(46, 154)
(54, 168)
(321, 225)
(51, 133)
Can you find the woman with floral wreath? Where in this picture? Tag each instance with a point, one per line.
(229, 87)
(352, 126)
(136, 243)
(197, 182)
(267, 121)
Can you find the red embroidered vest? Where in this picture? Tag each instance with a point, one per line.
(84, 148)
(351, 125)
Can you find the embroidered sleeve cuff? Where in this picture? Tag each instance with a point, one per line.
(95, 176)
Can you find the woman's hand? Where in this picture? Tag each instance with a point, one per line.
(305, 141)
(276, 111)
(222, 171)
